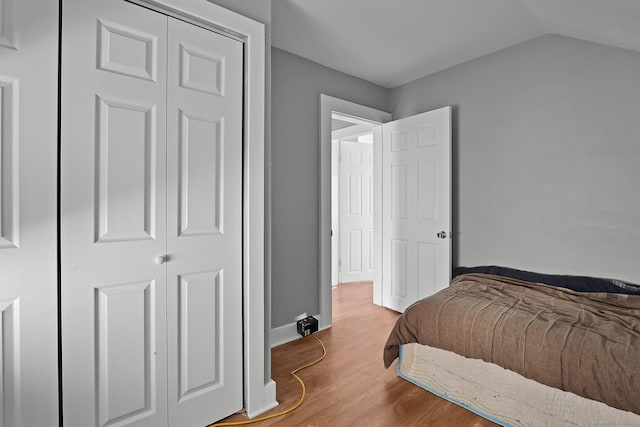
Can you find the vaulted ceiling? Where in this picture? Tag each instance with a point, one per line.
(392, 42)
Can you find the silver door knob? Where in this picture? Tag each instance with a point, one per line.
(442, 235)
(160, 259)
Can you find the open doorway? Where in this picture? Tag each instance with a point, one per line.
(352, 115)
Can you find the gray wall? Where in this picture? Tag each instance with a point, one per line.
(257, 10)
(546, 155)
(296, 87)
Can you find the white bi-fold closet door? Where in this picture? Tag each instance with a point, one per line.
(28, 191)
(151, 218)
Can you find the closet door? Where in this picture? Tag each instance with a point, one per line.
(113, 222)
(28, 253)
(151, 218)
(204, 232)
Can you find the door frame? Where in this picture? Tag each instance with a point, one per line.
(259, 388)
(329, 105)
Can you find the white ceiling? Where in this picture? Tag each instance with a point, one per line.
(392, 42)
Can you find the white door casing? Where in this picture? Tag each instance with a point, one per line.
(356, 211)
(204, 246)
(141, 259)
(416, 207)
(28, 240)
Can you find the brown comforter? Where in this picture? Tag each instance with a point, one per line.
(585, 343)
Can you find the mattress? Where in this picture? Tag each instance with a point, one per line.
(501, 395)
(584, 343)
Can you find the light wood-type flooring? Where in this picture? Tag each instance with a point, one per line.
(350, 387)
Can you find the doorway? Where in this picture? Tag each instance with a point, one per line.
(412, 226)
(361, 115)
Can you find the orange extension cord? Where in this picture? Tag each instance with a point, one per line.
(294, 407)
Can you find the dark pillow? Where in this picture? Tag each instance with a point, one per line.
(576, 283)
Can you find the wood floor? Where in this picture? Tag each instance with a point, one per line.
(350, 387)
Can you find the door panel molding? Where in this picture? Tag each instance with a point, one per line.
(125, 348)
(7, 32)
(211, 67)
(111, 35)
(199, 349)
(205, 218)
(118, 220)
(9, 184)
(10, 372)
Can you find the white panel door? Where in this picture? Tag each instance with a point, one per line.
(204, 285)
(151, 219)
(28, 253)
(356, 211)
(113, 219)
(416, 207)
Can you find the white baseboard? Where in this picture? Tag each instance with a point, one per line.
(270, 401)
(287, 333)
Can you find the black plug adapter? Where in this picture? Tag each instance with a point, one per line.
(307, 326)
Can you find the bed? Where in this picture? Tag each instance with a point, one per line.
(521, 348)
